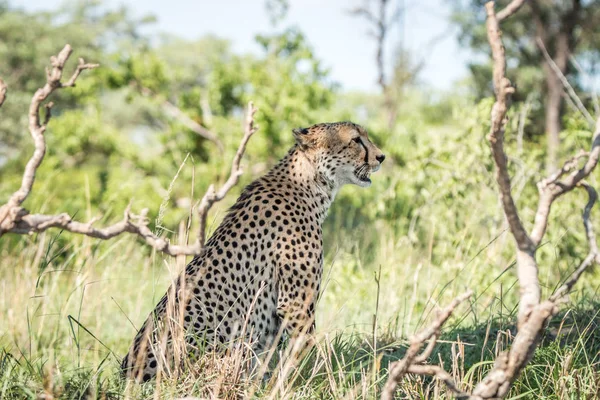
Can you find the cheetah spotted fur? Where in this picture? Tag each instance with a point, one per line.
(261, 269)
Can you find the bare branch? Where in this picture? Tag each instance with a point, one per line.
(53, 82)
(412, 358)
(509, 10)
(136, 224)
(421, 358)
(213, 196)
(15, 219)
(552, 188)
(526, 265)
(593, 255)
(176, 113)
(587, 224)
(3, 89)
(80, 67)
(503, 89)
(565, 83)
(533, 314)
(439, 373)
(567, 167)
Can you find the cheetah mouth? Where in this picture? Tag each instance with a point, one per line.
(365, 179)
(363, 173)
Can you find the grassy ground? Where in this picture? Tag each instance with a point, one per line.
(70, 306)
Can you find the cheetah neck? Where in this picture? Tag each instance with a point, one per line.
(300, 171)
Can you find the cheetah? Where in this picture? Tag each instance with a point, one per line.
(260, 271)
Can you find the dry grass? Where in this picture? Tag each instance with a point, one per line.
(70, 306)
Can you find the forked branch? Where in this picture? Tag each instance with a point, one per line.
(16, 219)
(509, 10)
(533, 314)
(211, 196)
(413, 360)
(9, 211)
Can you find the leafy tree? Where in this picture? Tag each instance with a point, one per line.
(290, 86)
(112, 136)
(567, 29)
(383, 16)
(27, 39)
(287, 83)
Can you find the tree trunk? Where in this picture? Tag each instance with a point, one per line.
(553, 123)
(391, 107)
(564, 44)
(554, 98)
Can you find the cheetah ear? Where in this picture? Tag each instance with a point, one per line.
(303, 137)
(300, 132)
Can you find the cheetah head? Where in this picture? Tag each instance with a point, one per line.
(341, 151)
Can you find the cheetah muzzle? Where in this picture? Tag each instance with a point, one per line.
(260, 272)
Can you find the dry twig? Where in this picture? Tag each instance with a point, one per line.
(509, 10)
(2, 92)
(16, 219)
(413, 359)
(11, 211)
(565, 82)
(527, 270)
(211, 196)
(175, 112)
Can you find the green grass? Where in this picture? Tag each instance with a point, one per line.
(70, 306)
(343, 366)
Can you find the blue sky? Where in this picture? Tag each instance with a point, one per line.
(338, 39)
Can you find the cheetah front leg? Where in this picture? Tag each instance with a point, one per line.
(295, 310)
(297, 317)
(298, 289)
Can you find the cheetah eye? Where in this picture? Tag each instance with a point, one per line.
(357, 140)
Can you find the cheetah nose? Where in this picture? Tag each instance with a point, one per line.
(380, 158)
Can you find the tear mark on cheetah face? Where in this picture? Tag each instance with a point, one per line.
(341, 151)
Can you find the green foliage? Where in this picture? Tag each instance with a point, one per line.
(110, 133)
(289, 86)
(27, 40)
(431, 220)
(525, 62)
